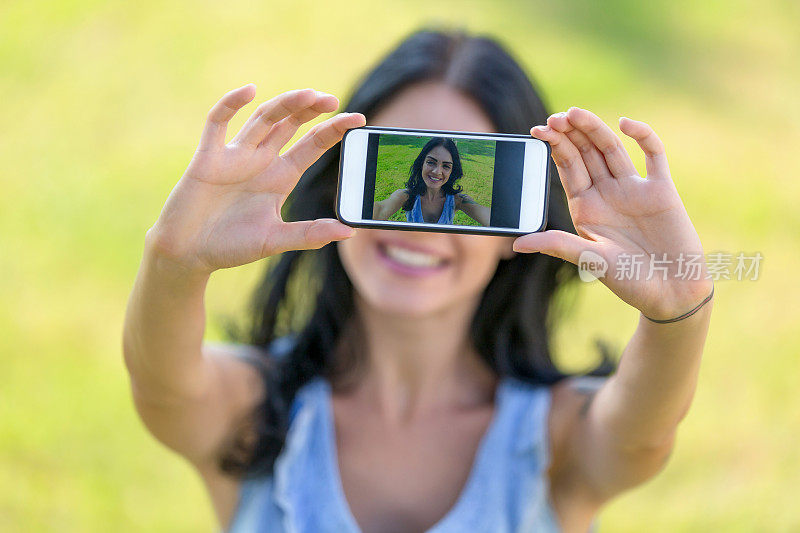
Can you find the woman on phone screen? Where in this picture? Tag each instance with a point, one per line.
(404, 381)
(431, 193)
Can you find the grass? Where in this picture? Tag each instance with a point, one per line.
(396, 153)
(103, 103)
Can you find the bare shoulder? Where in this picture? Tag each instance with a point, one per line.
(571, 398)
(464, 197)
(400, 195)
(574, 392)
(237, 370)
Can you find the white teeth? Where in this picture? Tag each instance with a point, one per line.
(412, 258)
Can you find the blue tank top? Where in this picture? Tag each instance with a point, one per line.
(448, 211)
(507, 488)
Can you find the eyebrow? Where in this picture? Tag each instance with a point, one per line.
(443, 162)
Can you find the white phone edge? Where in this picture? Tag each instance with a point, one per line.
(535, 186)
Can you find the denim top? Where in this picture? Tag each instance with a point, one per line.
(507, 488)
(448, 211)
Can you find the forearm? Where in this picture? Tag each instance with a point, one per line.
(378, 212)
(479, 213)
(483, 215)
(385, 208)
(164, 326)
(650, 393)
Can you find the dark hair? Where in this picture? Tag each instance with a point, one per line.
(416, 185)
(307, 294)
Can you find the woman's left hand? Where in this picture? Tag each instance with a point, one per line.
(620, 215)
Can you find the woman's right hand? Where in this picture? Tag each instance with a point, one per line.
(225, 211)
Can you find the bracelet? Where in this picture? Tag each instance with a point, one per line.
(685, 315)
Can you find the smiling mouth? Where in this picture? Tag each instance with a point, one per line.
(411, 258)
(435, 179)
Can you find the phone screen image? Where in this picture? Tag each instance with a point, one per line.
(443, 180)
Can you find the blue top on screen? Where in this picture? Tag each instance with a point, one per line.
(448, 211)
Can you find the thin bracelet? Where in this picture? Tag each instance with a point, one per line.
(685, 315)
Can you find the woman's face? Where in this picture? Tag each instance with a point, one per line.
(417, 274)
(436, 167)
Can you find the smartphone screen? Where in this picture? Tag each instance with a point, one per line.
(443, 181)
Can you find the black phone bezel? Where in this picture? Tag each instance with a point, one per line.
(407, 225)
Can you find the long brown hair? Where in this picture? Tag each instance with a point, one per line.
(307, 297)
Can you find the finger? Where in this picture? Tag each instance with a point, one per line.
(283, 131)
(556, 243)
(278, 108)
(606, 141)
(308, 235)
(270, 105)
(592, 158)
(213, 136)
(320, 138)
(651, 145)
(571, 168)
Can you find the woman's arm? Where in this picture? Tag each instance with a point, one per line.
(385, 208)
(477, 212)
(622, 435)
(223, 212)
(188, 395)
(653, 387)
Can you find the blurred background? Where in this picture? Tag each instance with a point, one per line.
(102, 106)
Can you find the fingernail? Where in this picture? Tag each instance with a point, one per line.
(542, 128)
(558, 115)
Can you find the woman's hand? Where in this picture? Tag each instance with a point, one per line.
(619, 214)
(225, 210)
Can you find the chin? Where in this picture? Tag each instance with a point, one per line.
(408, 274)
(402, 302)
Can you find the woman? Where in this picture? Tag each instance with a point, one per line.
(416, 391)
(431, 194)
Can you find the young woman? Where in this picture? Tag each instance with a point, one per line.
(415, 390)
(432, 193)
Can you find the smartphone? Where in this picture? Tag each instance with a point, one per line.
(443, 181)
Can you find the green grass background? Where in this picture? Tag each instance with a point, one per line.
(396, 153)
(102, 106)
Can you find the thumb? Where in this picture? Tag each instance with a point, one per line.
(557, 243)
(309, 234)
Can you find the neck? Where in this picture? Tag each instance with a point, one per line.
(418, 364)
(433, 194)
